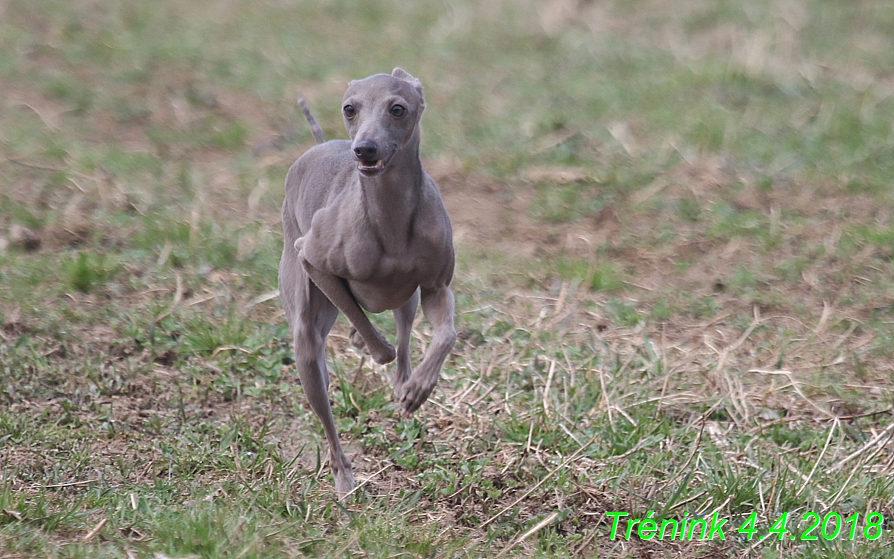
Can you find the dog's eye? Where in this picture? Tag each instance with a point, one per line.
(349, 111)
(398, 111)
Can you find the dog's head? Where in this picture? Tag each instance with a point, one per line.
(382, 115)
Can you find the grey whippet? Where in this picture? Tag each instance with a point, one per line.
(365, 226)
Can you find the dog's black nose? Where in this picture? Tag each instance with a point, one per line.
(366, 150)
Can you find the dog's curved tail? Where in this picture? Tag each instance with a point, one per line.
(314, 127)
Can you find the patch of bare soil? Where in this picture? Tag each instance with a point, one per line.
(496, 214)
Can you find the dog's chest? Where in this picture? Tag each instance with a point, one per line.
(370, 262)
(382, 281)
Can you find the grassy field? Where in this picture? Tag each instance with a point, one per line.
(675, 286)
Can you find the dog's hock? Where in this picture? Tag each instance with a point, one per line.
(356, 339)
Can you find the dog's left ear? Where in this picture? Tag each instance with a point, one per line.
(402, 74)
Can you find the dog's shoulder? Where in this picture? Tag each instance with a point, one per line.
(321, 164)
(327, 154)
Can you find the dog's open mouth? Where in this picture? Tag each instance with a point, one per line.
(370, 168)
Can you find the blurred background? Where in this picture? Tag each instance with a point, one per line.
(560, 127)
(685, 203)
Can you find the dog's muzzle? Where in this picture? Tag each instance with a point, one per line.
(367, 154)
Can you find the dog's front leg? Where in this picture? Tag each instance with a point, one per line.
(403, 320)
(334, 289)
(437, 305)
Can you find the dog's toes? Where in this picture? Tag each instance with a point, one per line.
(344, 477)
(344, 485)
(414, 395)
(398, 383)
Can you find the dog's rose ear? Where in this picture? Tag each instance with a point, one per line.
(402, 74)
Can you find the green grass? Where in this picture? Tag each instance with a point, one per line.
(673, 287)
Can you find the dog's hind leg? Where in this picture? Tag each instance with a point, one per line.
(311, 316)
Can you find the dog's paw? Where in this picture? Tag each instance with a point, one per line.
(343, 474)
(414, 394)
(384, 354)
(299, 244)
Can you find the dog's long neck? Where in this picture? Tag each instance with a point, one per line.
(392, 198)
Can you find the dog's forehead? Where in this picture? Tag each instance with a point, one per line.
(381, 85)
